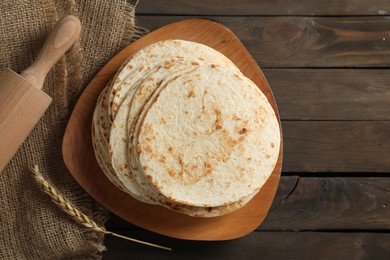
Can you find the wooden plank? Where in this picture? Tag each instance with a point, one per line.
(335, 203)
(265, 7)
(326, 203)
(257, 245)
(336, 146)
(306, 41)
(331, 94)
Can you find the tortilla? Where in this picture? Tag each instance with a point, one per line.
(209, 139)
(171, 101)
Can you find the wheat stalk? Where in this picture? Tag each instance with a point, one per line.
(75, 213)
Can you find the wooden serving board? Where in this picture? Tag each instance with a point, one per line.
(79, 156)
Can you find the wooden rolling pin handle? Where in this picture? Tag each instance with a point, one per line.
(61, 38)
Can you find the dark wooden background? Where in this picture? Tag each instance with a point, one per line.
(327, 62)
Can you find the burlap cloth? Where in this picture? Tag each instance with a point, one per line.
(31, 226)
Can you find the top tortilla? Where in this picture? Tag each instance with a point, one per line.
(210, 138)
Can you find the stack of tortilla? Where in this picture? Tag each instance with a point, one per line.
(180, 126)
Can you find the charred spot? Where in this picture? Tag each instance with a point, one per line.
(272, 145)
(145, 167)
(209, 209)
(213, 66)
(150, 177)
(243, 131)
(170, 149)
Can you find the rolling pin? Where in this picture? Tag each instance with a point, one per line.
(22, 102)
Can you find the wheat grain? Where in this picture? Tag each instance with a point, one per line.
(75, 213)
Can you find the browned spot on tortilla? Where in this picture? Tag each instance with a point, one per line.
(170, 149)
(238, 77)
(207, 164)
(129, 66)
(163, 159)
(186, 112)
(181, 160)
(162, 121)
(139, 148)
(171, 172)
(123, 166)
(267, 156)
(194, 63)
(213, 66)
(168, 65)
(148, 149)
(243, 131)
(272, 145)
(150, 177)
(218, 126)
(249, 159)
(145, 167)
(118, 80)
(236, 118)
(191, 94)
(201, 58)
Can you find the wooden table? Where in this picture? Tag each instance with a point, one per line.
(327, 63)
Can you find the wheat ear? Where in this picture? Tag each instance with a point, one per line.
(75, 213)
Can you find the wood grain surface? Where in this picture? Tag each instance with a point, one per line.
(265, 7)
(306, 41)
(79, 156)
(264, 245)
(336, 146)
(310, 94)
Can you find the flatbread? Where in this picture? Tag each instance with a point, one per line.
(209, 139)
(125, 117)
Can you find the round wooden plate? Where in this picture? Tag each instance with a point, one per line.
(80, 159)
